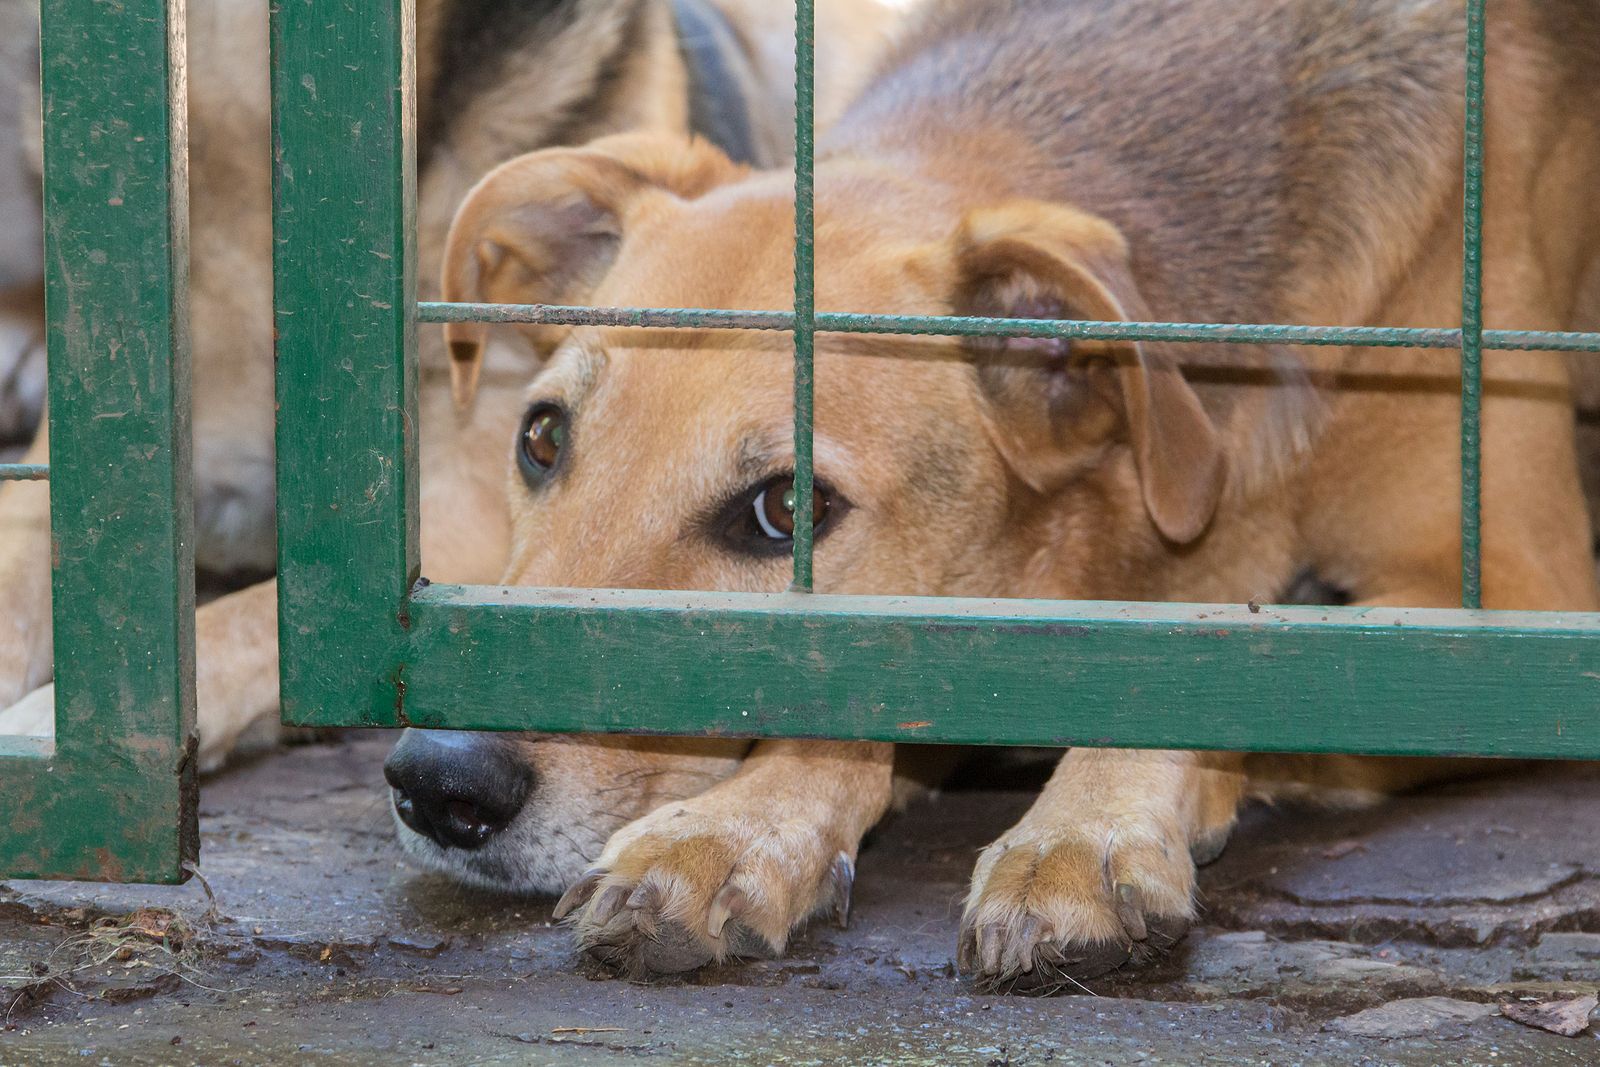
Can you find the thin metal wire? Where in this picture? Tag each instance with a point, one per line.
(1472, 320)
(964, 326)
(804, 290)
(24, 472)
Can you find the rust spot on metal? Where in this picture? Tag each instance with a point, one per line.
(920, 724)
(107, 867)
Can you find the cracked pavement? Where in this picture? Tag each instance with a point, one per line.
(1390, 936)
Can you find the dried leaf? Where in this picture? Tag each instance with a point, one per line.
(153, 923)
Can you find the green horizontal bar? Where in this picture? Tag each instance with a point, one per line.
(24, 472)
(972, 326)
(16, 748)
(1380, 681)
(1540, 341)
(571, 315)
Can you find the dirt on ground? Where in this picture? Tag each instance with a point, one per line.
(1413, 934)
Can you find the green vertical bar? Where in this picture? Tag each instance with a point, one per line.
(115, 799)
(1472, 320)
(344, 209)
(805, 307)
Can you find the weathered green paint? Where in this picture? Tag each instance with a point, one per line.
(1472, 319)
(1005, 671)
(24, 472)
(343, 224)
(114, 797)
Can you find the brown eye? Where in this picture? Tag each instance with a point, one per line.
(544, 431)
(773, 508)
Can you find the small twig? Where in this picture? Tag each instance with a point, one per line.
(589, 1030)
(212, 914)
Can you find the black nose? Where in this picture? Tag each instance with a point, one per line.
(459, 789)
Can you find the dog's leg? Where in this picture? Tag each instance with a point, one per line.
(236, 668)
(1100, 871)
(25, 583)
(733, 871)
(236, 675)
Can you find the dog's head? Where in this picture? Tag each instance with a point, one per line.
(664, 458)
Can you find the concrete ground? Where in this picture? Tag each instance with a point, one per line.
(1394, 936)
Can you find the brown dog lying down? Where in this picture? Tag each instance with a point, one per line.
(1159, 159)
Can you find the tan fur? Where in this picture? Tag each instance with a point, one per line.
(1043, 470)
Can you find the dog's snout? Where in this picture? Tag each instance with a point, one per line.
(457, 789)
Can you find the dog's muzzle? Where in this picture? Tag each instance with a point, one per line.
(455, 788)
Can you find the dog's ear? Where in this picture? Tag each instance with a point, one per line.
(1031, 259)
(544, 228)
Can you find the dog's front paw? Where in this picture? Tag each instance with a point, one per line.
(1051, 907)
(683, 887)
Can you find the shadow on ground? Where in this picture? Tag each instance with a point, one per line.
(1384, 937)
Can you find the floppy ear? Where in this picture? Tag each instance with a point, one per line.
(1031, 259)
(544, 228)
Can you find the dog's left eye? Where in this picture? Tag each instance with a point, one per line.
(540, 439)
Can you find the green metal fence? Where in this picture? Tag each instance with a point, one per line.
(364, 642)
(113, 797)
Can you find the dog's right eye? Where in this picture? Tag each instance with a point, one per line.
(540, 440)
(762, 519)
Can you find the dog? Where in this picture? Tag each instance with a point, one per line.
(495, 79)
(1190, 160)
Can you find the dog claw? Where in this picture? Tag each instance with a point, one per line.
(967, 948)
(1019, 957)
(843, 876)
(1209, 847)
(645, 905)
(989, 945)
(578, 893)
(608, 903)
(1130, 911)
(729, 903)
